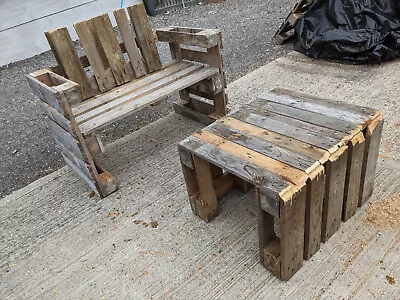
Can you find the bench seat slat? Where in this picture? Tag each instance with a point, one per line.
(127, 88)
(123, 99)
(145, 100)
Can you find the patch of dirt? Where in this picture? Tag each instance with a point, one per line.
(385, 213)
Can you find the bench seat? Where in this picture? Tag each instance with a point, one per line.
(101, 110)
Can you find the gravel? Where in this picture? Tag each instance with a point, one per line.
(27, 152)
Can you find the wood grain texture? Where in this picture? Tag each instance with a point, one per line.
(287, 172)
(264, 147)
(353, 176)
(206, 204)
(111, 48)
(128, 37)
(294, 132)
(268, 182)
(89, 39)
(292, 219)
(302, 148)
(66, 55)
(204, 38)
(373, 138)
(313, 217)
(56, 117)
(144, 35)
(334, 193)
(337, 109)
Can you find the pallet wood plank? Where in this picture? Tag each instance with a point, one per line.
(58, 118)
(277, 139)
(373, 138)
(264, 147)
(334, 193)
(128, 88)
(292, 217)
(139, 92)
(195, 55)
(307, 126)
(144, 35)
(98, 61)
(353, 176)
(287, 172)
(146, 100)
(293, 132)
(337, 109)
(66, 55)
(206, 205)
(112, 51)
(206, 38)
(313, 218)
(127, 35)
(307, 116)
(269, 182)
(66, 139)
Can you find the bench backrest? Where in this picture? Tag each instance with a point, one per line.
(107, 63)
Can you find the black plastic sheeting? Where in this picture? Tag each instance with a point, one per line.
(356, 31)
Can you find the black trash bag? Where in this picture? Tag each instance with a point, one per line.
(356, 31)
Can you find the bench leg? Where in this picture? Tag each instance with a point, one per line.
(282, 256)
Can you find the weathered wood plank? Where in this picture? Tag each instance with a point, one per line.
(144, 35)
(89, 39)
(192, 187)
(307, 126)
(270, 183)
(195, 55)
(269, 205)
(206, 205)
(269, 244)
(205, 38)
(313, 218)
(294, 132)
(334, 193)
(306, 116)
(90, 181)
(66, 139)
(278, 139)
(180, 108)
(337, 109)
(292, 217)
(58, 118)
(287, 172)
(127, 35)
(353, 176)
(145, 100)
(122, 100)
(66, 55)
(112, 51)
(264, 147)
(44, 92)
(373, 138)
(128, 88)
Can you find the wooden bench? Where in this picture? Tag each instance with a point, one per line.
(311, 160)
(83, 94)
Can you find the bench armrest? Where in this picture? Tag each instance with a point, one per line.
(49, 86)
(205, 38)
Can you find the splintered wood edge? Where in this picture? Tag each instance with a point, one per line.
(357, 139)
(288, 194)
(338, 153)
(371, 127)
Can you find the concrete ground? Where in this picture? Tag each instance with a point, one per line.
(58, 243)
(27, 151)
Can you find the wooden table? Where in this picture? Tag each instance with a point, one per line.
(311, 160)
